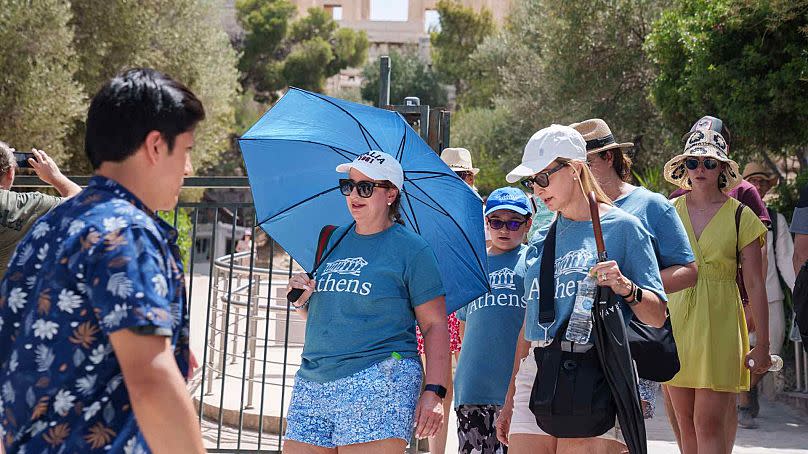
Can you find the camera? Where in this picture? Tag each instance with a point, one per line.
(22, 159)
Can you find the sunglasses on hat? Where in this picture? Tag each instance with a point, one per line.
(363, 188)
(542, 178)
(708, 163)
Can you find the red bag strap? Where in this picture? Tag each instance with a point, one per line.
(322, 243)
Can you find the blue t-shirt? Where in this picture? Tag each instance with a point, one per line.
(94, 265)
(493, 322)
(659, 217)
(627, 242)
(363, 309)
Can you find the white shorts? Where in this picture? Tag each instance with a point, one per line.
(523, 421)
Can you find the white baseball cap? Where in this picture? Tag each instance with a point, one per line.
(378, 165)
(547, 145)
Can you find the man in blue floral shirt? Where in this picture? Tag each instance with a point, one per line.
(93, 311)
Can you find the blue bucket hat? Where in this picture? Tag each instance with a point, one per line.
(508, 198)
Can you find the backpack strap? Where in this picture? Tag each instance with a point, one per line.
(322, 243)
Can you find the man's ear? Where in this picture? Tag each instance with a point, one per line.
(153, 145)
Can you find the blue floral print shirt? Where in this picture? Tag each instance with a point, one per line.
(96, 264)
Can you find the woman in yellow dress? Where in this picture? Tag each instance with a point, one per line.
(708, 319)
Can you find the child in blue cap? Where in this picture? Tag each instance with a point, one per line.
(492, 323)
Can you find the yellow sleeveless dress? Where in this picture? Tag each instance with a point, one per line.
(708, 319)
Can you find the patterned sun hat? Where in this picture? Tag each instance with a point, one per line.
(703, 144)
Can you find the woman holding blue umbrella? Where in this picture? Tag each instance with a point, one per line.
(359, 385)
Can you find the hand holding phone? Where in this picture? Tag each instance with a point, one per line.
(22, 159)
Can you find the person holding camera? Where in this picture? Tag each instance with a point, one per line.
(19, 210)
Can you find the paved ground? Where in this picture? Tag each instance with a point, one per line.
(782, 430)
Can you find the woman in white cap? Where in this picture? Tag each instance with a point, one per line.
(611, 166)
(359, 383)
(708, 319)
(554, 166)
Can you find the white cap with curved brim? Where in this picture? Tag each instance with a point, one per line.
(547, 145)
(377, 165)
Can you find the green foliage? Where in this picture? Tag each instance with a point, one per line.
(182, 38)
(495, 141)
(303, 54)
(181, 220)
(461, 31)
(653, 179)
(409, 77)
(39, 100)
(744, 61)
(563, 61)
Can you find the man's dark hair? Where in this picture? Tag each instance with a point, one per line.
(131, 105)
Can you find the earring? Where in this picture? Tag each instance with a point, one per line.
(389, 203)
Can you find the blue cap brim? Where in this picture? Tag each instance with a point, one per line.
(518, 209)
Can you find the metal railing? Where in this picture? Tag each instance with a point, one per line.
(243, 333)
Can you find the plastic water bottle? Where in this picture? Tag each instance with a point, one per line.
(580, 325)
(777, 363)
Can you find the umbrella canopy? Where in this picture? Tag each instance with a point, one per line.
(614, 354)
(291, 154)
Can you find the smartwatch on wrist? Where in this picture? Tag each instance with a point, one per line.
(437, 389)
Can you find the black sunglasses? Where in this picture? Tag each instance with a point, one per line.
(693, 163)
(463, 174)
(542, 178)
(363, 188)
(513, 226)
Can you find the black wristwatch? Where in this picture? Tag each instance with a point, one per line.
(437, 389)
(637, 296)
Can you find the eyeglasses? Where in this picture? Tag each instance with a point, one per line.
(542, 178)
(513, 226)
(462, 174)
(363, 188)
(693, 163)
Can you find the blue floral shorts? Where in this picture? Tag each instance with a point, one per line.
(373, 404)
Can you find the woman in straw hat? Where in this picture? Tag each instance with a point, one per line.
(708, 319)
(554, 167)
(612, 168)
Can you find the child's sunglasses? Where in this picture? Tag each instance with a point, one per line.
(693, 163)
(513, 226)
(363, 188)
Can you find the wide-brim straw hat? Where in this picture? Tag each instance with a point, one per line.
(703, 144)
(459, 160)
(758, 169)
(598, 136)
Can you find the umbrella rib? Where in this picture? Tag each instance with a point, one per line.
(400, 152)
(414, 220)
(429, 172)
(340, 152)
(468, 241)
(404, 212)
(361, 126)
(337, 149)
(425, 178)
(297, 205)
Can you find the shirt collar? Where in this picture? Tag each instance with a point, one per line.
(104, 184)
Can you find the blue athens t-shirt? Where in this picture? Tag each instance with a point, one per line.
(493, 322)
(363, 309)
(659, 217)
(627, 242)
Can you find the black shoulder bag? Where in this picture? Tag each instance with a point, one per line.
(570, 396)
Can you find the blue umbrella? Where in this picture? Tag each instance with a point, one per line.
(291, 154)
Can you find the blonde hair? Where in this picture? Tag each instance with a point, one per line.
(587, 181)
